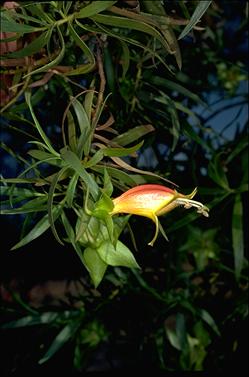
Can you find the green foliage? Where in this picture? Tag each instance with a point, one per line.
(112, 74)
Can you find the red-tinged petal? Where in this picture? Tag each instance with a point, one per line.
(143, 200)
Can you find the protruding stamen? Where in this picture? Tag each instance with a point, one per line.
(188, 203)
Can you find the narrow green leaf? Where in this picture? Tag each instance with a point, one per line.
(100, 28)
(55, 61)
(174, 86)
(50, 207)
(196, 16)
(37, 10)
(40, 155)
(217, 173)
(133, 25)
(64, 336)
(121, 152)
(206, 317)
(173, 339)
(108, 187)
(32, 48)
(71, 236)
(74, 162)
(19, 16)
(175, 129)
(88, 101)
(119, 256)
(37, 124)
(39, 228)
(22, 180)
(80, 70)
(94, 8)
(72, 140)
(242, 144)
(81, 114)
(133, 134)
(125, 58)
(97, 157)
(20, 192)
(88, 53)
(71, 189)
(95, 265)
(34, 205)
(238, 236)
(110, 71)
(31, 320)
(43, 156)
(189, 131)
(121, 176)
(9, 25)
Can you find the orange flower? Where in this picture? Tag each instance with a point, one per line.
(154, 200)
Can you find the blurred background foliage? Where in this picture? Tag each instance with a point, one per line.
(181, 87)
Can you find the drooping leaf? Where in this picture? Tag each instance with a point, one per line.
(39, 228)
(38, 126)
(95, 265)
(132, 24)
(88, 53)
(119, 256)
(55, 61)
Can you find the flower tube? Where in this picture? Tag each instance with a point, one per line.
(154, 200)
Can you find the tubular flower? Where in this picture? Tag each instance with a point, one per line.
(154, 200)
